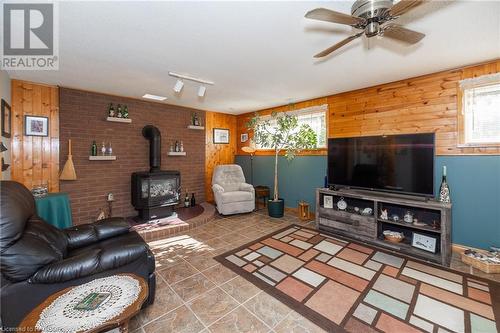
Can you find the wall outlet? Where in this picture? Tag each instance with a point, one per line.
(111, 197)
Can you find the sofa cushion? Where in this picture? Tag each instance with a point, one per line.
(117, 251)
(26, 256)
(235, 196)
(75, 267)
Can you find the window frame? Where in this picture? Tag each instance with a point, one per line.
(323, 108)
(474, 83)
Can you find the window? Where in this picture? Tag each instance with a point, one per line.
(480, 114)
(314, 116)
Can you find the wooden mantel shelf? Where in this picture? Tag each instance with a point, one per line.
(102, 158)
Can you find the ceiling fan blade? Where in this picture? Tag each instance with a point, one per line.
(337, 46)
(328, 15)
(404, 6)
(400, 33)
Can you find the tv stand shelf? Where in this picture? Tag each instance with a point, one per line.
(434, 221)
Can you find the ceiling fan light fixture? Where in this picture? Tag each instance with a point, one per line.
(178, 86)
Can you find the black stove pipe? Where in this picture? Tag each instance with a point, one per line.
(152, 133)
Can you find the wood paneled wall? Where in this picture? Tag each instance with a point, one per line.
(217, 154)
(35, 160)
(423, 104)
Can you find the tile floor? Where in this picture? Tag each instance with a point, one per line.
(194, 293)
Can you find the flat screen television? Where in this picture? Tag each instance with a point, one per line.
(394, 163)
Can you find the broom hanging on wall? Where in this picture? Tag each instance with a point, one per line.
(68, 172)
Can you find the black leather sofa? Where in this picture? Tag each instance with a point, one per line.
(37, 259)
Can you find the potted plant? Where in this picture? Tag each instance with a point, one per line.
(281, 133)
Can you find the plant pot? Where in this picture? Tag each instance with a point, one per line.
(276, 208)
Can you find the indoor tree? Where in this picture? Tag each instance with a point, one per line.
(281, 133)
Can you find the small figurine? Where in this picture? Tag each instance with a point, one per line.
(367, 211)
(119, 111)
(408, 217)
(384, 215)
(111, 111)
(395, 218)
(125, 112)
(101, 215)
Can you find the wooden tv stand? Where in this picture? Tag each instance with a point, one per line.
(369, 228)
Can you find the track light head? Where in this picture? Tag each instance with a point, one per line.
(201, 91)
(178, 86)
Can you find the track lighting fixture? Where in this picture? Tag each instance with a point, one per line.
(178, 86)
(180, 83)
(201, 91)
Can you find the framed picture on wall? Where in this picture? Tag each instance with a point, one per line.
(36, 126)
(221, 135)
(6, 119)
(244, 137)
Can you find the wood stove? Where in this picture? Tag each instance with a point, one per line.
(155, 193)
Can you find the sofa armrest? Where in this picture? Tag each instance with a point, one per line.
(111, 227)
(247, 188)
(71, 268)
(86, 234)
(217, 188)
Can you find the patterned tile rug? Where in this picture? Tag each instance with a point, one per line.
(344, 286)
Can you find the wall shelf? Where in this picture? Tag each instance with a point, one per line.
(176, 153)
(193, 127)
(102, 158)
(119, 120)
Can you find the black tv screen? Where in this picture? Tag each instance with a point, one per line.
(395, 163)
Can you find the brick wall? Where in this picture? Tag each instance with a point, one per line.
(83, 119)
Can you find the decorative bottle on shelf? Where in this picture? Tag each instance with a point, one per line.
(125, 112)
(193, 200)
(103, 149)
(171, 147)
(93, 149)
(181, 147)
(109, 150)
(119, 112)
(186, 200)
(444, 189)
(111, 110)
(177, 146)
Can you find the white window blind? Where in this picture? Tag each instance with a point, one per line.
(314, 116)
(481, 110)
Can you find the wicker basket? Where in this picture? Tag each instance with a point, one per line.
(393, 239)
(481, 265)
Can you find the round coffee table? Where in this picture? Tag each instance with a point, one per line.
(59, 307)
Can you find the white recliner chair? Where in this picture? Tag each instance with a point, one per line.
(232, 194)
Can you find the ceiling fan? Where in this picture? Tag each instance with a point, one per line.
(374, 17)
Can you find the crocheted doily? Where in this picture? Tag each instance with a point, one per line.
(61, 315)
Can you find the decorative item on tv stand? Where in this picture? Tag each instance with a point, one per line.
(297, 138)
(444, 189)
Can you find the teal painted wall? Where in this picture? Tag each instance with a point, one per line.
(474, 183)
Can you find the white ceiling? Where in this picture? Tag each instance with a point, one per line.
(259, 54)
